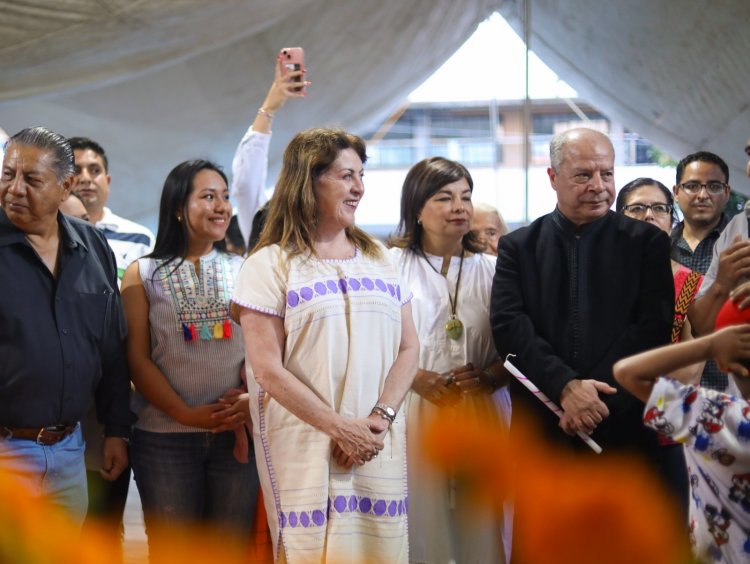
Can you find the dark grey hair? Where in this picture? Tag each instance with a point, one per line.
(49, 141)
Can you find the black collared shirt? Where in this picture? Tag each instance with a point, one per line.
(62, 340)
(700, 258)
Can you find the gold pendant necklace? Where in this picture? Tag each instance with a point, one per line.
(453, 327)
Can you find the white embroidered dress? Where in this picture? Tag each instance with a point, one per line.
(342, 321)
(443, 524)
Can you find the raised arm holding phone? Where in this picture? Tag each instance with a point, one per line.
(250, 163)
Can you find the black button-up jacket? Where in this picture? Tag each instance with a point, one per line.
(569, 302)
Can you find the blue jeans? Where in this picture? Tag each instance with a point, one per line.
(188, 478)
(56, 472)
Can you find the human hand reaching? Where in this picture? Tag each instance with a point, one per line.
(729, 347)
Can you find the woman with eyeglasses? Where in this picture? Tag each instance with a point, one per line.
(646, 199)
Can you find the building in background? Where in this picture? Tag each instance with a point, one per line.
(487, 137)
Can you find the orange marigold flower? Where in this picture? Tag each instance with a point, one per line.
(568, 509)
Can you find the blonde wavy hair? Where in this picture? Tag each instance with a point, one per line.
(291, 220)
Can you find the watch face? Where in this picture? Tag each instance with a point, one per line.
(388, 410)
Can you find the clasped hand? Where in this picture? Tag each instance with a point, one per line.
(583, 410)
(228, 413)
(357, 441)
(446, 389)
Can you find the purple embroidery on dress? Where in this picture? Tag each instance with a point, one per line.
(339, 503)
(319, 517)
(342, 504)
(346, 285)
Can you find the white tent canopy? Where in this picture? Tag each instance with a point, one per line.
(160, 81)
(157, 82)
(678, 73)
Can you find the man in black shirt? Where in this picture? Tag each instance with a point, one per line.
(62, 330)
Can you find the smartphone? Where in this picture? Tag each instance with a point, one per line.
(292, 59)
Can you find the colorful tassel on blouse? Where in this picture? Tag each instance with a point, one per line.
(218, 331)
(207, 332)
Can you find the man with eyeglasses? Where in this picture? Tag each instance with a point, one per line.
(729, 271)
(702, 192)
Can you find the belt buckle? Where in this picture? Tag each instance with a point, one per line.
(39, 437)
(50, 429)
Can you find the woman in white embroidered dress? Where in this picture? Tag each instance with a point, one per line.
(185, 355)
(332, 349)
(451, 279)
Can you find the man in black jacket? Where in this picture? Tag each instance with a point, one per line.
(577, 290)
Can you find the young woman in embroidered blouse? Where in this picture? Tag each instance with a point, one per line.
(451, 280)
(185, 354)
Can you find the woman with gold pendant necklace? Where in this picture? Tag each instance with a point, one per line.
(450, 279)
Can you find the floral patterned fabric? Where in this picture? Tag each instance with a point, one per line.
(715, 429)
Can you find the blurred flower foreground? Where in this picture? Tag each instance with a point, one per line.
(577, 509)
(32, 531)
(567, 509)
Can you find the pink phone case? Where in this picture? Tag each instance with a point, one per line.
(292, 58)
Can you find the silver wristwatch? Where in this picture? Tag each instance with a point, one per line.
(386, 411)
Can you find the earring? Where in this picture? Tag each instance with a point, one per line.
(419, 221)
(179, 218)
